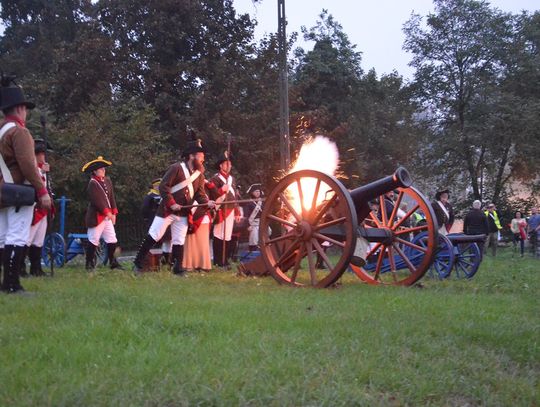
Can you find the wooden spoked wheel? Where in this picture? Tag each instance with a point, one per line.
(397, 260)
(307, 231)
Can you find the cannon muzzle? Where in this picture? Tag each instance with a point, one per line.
(362, 195)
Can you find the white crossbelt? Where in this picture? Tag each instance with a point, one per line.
(188, 182)
(6, 173)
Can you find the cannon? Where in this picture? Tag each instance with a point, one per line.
(455, 252)
(311, 226)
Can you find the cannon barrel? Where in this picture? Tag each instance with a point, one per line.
(362, 195)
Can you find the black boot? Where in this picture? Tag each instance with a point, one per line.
(178, 256)
(23, 272)
(145, 247)
(12, 259)
(252, 248)
(90, 257)
(1, 263)
(217, 246)
(113, 262)
(34, 253)
(166, 259)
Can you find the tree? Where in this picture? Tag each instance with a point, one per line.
(468, 61)
(370, 118)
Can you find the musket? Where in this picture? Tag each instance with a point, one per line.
(237, 201)
(43, 121)
(223, 251)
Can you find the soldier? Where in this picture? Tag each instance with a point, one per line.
(253, 213)
(101, 213)
(181, 185)
(443, 211)
(223, 188)
(38, 229)
(18, 167)
(150, 203)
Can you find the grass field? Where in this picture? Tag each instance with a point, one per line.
(116, 340)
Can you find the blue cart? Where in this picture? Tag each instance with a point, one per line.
(56, 248)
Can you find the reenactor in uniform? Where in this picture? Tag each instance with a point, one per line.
(182, 184)
(101, 213)
(443, 211)
(222, 187)
(150, 203)
(38, 230)
(18, 167)
(253, 214)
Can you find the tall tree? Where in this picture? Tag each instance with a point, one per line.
(466, 59)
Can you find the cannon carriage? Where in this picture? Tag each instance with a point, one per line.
(312, 227)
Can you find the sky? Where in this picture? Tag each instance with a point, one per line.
(374, 26)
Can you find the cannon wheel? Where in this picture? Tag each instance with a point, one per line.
(399, 261)
(321, 229)
(445, 256)
(468, 259)
(54, 246)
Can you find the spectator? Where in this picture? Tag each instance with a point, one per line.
(475, 222)
(518, 227)
(494, 225)
(533, 230)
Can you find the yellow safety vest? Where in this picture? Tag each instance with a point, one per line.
(495, 218)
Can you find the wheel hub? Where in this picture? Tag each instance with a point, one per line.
(304, 230)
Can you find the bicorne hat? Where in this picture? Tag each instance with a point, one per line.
(12, 95)
(439, 193)
(93, 165)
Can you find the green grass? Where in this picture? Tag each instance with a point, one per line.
(216, 339)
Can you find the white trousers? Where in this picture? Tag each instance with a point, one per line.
(254, 233)
(37, 233)
(223, 230)
(178, 224)
(104, 230)
(15, 226)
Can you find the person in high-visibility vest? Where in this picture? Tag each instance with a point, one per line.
(494, 225)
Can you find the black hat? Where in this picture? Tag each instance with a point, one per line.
(40, 146)
(194, 144)
(439, 193)
(224, 156)
(99, 162)
(254, 187)
(12, 95)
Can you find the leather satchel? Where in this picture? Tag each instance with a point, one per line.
(17, 195)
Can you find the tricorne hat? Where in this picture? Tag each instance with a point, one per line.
(40, 146)
(440, 192)
(12, 95)
(93, 165)
(254, 187)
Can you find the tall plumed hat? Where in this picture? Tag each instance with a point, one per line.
(93, 165)
(224, 156)
(194, 144)
(41, 146)
(11, 94)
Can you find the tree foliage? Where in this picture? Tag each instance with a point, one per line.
(473, 63)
